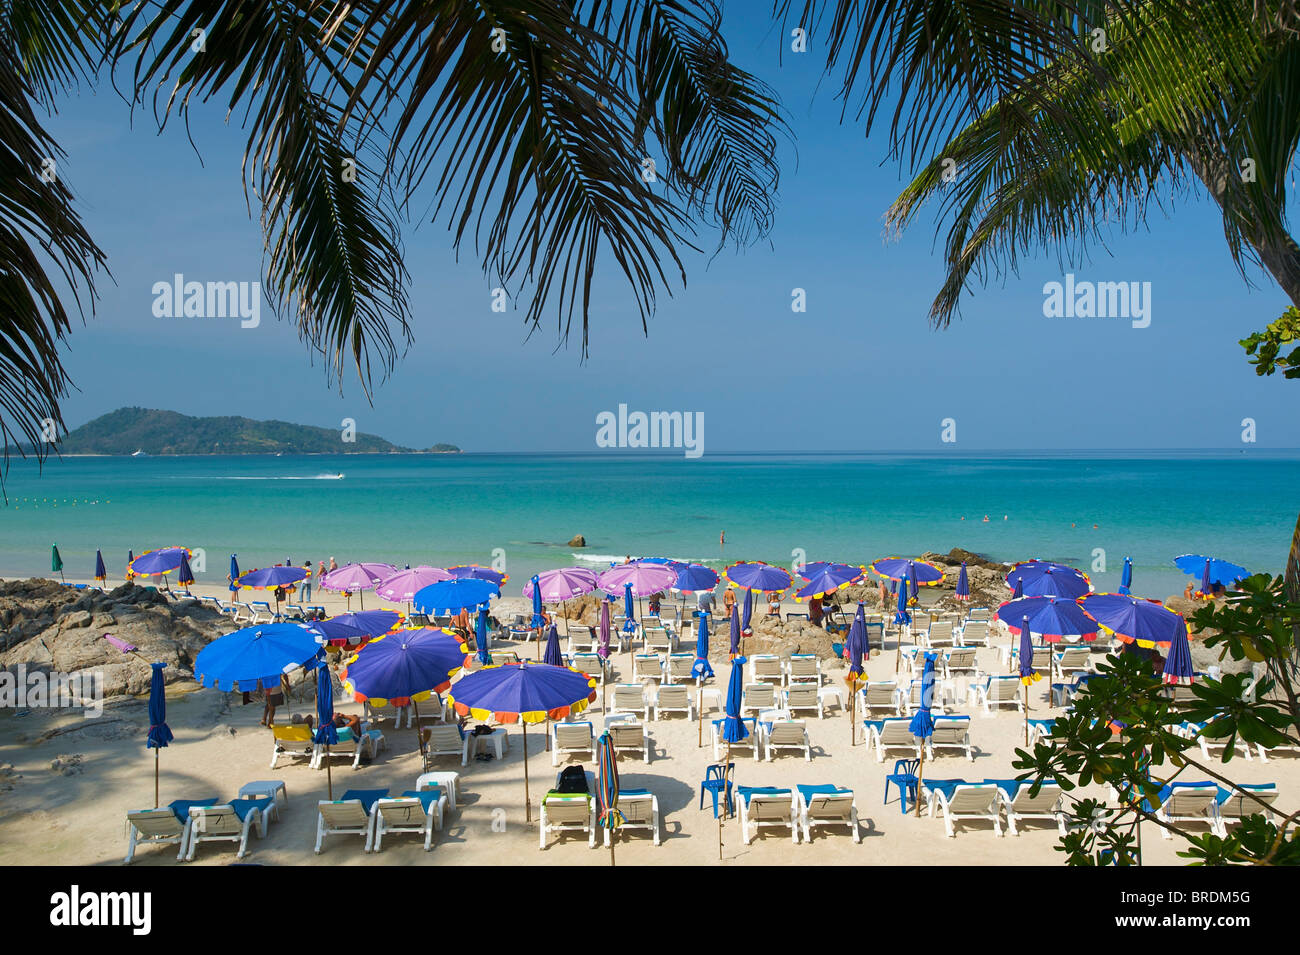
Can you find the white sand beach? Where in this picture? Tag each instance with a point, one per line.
(73, 813)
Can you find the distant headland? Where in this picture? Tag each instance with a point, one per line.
(149, 431)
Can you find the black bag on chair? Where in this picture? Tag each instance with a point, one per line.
(573, 779)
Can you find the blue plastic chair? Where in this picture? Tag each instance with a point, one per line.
(904, 777)
(715, 781)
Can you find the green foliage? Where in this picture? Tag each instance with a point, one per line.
(1265, 348)
(1255, 623)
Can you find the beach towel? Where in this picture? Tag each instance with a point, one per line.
(368, 797)
(181, 807)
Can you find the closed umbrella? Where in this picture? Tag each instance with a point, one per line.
(1126, 577)
(608, 816)
(523, 693)
(1020, 589)
(101, 572)
(913, 583)
(327, 734)
(481, 636)
(539, 620)
(922, 725)
(184, 575)
(629, 624)
(963, 584)
(551, 656)
(1028, 674)
(701, 669)
(856, 648)
(747, 613)
(234, 574)
(1178, 669)
(56, 562)
(130, 559)
(160, 733)
(901, 618)
(737, 648)
(733, 728)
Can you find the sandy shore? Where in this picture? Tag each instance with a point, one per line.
(48, 817)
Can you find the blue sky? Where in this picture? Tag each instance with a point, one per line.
(860, 370)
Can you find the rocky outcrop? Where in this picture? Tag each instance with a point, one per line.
(51, 627)
(577, 541)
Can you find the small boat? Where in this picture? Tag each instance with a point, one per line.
(139, 453)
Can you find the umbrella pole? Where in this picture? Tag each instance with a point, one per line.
(155, 778)
(920, 774)
(1026, 716)
(419, 737)
(548, 736)
(853, 705)
(528, 806)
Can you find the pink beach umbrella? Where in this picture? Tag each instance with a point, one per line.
(562, 585)
(403, 585)
(357, 577)
(645, 578)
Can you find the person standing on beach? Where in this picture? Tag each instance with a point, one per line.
(704, 603)
(722, 540)
(306, 581)
(333, 564)
(815, 611)
(728, 601)
(884, 595)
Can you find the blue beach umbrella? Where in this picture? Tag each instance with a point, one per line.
(1211, 570)
(1126, 576)
(538, 620)
(692, 578)
(101, 572)
(234, 574)
(1027, 672)
(827, 579)
(479, 573)
(156, 563)
(551, 655)
(855, 648)
(405, 667)
(629, 625)
(922, 725)
(963, 584)
(733, 727)
(373, 623)
(1020, 589)
(338, 632)
(926, 573)
(160, 733)
(256, 657)
(269, 578)
(327, 733)
(1045, 578)
(747, 613)
(185, 575)
(1148, 623)
(455, 595)
(701, 667)
(481, 636)
(756, 575)
(901, 616)
(737, 633)
(1052, 618)
(1178, 662)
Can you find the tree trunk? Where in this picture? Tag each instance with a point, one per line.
(1293, 566)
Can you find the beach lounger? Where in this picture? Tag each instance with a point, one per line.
(757, 696)
(447, 740)
(156, 827)
(1186, 802)
(674, 698)
(243, 613)
(262, 612)
(976, 633)
(348, 745)
(647, 666)
(568, 812)
(1020, 806)
(1235, 805)
(766, 668)
(640, 810)
(804, 668)
(292, 741)
(764, 808)
(572, 739)
(805, 696)
(749, 743)
(630, 738)
(228, 822)
(979, 615)
(827, 806)
(879, 695)
(582, 638)
(590, 663)
(911, 702)
(998, 691)
(1210, 745)
(349, 815)
(681, 668)
(1265, 752)
(1071, 661)
(786, 734)
(940, 634)
(414, 811)
(656, 640)
(388, 712)
(503, 657)
(890, 734)
(962, 801)
(950, 732)
(631, 698)
(959, 661)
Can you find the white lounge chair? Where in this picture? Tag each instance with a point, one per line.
(358, 748)
(647, 666)
(1071, 661)
(940, 634)
(804, 668)
(879, 695)
(1210, 745)
(590, 663)
(959, 661)
(766, 668)
(998, 691)
(223, 824)
(1020, 805)
(766, 808)
(292, 742)
(950, 732)
(1235, 805)
(156, 827)
(757, 696)
(564, 812)
(673, 698)
(406, 813)
(804, 696)
(749, 743)
(681, 668)
(631, 698)
(968, 801)
(976, 633)
(388, 712)
(446, 740)
(640, 810)
(630, 738)
(827, 806)
(572, 739)
(786, 734)
(345, 816)
(1188, 802)
(890, 734)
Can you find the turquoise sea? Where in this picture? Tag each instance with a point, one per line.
(470, 508)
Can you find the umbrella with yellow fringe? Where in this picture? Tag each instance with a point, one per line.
(523, 693)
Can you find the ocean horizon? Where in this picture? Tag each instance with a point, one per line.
(521, 509)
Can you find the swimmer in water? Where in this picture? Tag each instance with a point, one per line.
(986, 518)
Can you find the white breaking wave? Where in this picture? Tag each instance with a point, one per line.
(618, 559)
(271, 477)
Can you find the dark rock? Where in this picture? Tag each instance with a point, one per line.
(578, 541)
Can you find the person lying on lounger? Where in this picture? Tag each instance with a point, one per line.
(341, 721)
